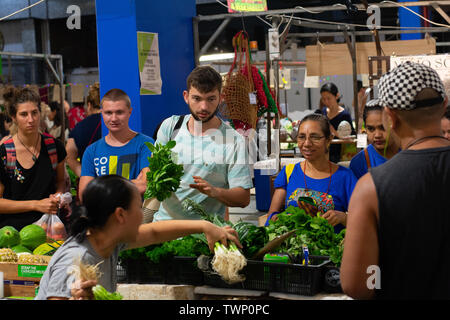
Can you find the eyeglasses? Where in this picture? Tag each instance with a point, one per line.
(313, 138)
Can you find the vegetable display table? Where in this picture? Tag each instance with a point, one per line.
(156, 292)
(187, 292)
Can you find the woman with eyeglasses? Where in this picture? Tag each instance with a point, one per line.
(315, 184)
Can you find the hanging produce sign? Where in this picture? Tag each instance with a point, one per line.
(439, 62)
(149, 66)
(247, 5)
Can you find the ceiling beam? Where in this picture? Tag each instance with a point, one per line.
(319, 9)
(441, 12)
(366, 33)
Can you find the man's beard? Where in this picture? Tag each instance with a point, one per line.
(207, 119)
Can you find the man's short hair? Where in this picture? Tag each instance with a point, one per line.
(116, 95)
(430, 112)
(205, 79)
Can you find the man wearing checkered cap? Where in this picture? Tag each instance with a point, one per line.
(397, 243)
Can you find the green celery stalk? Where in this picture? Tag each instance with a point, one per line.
(100, 293)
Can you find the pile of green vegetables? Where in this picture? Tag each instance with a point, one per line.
(251, 237)
(165, 175)
(188, 246)
(314, 232)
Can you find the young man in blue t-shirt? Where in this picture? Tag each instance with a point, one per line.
(376, 152)
(122, 151)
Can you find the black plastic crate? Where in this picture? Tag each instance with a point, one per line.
(332, 279)
(300, 279)
(278, 277)
(184, 270)
(214, 280)
(257, 277)
(121, 273)
(143, 271)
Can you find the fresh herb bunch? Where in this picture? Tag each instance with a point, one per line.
(165, 175)
(193, 208)
(314, 232)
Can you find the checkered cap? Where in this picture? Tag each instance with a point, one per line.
(398, 88)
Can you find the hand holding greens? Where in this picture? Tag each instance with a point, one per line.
(165, 175)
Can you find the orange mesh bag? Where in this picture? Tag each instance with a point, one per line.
(238, 86)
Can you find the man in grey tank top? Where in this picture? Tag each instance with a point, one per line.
(398, 228)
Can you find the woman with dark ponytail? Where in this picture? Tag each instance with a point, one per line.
(110, 221)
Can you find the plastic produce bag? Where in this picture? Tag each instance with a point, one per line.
(53, 227)
(52, 224)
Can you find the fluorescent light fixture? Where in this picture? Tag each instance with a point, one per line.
(218, 56)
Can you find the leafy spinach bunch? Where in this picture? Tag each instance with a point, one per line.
(165, 175)
(188, 246)
(314, 232)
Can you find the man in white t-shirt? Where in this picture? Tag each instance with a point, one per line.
(213, 154)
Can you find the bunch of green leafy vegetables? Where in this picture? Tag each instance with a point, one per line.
(100, 293)
(165, 175)
(251, 236)
(188, 246)
(314, 232)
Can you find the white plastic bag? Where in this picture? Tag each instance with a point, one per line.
(53, 227)
(52, 224)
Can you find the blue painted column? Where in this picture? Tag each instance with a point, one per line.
(409, 19)
(118, 22)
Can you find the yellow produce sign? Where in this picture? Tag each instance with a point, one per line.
(247, 5)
